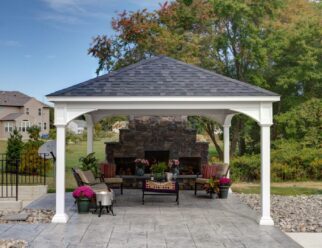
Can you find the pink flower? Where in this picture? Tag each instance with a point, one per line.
(225, 181)
(83, 192)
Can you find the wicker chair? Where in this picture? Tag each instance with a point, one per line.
(213, 171)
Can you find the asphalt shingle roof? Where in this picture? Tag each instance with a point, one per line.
(11, 117)
(162, 76)
(13, 98)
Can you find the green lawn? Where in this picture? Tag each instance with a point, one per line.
(284, 188)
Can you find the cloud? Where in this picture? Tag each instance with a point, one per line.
(79, 11)
(10, 43)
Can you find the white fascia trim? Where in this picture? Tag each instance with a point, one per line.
(163, 99)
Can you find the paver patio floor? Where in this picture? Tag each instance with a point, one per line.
(160, 223)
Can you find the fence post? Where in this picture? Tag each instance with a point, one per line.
(44, 161)
(17, 178)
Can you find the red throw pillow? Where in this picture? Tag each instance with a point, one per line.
(108, 170)
(209, 171)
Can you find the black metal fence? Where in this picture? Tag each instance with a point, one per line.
(9, 173)
(30, 169)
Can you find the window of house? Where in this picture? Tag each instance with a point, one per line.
(27, 111)
(39, 125)
(45, 125)
(8, 127)
(39, 111)
(24, 125)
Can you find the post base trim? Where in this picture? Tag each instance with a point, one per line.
(60, 218)
(266, 221)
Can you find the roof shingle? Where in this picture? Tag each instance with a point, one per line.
(162, 76)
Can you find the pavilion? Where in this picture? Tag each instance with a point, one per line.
(163, 86)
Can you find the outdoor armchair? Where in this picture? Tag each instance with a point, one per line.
(108, 171)
(88, 178)
(215, 171)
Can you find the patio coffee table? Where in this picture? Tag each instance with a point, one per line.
(155, 188)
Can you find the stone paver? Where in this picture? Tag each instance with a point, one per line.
(198, 222)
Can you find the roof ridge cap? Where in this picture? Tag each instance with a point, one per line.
(132, 66)
(222, 76)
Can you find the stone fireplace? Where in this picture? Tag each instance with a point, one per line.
(157, 139)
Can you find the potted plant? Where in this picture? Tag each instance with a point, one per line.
(140, 165)
(174, 166)
(224, 185)
(158, 171)
(210, 187)
(89, 162)
(83, 196)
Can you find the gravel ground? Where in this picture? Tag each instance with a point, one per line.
(35, 216)
(13, 243)
(291, 213)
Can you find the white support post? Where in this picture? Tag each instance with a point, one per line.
(266, 218)
(60, 215)
(90, 133)
(226, 145)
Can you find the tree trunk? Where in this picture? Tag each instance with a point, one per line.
(211, 132)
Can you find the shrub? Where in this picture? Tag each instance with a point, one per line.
(246, 168)
(14, 146)
(289, 161)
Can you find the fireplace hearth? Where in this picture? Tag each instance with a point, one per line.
(157, 139)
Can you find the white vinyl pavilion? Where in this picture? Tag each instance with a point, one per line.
(95, 100)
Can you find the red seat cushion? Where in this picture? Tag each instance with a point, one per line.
(209, 171)
(108, 170)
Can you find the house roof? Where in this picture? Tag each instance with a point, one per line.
(11, 117)
(15, 98)
(162, 76)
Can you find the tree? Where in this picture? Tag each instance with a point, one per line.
(272, 44)
(14, 146)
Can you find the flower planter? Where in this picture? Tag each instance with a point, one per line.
(83, 205)
(223, 191)
(139, 171)
(158, 177)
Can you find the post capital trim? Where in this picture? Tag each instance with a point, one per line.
(226, 125)
(265, 124)
(60, 125)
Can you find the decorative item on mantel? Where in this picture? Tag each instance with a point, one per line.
(174, 165)
(83, 196)
(140, 165)
(224, 185)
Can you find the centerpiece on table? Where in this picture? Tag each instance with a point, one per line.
(83, 196)
(140, 165)
(174, 167)
(158, 171)
(224, 185)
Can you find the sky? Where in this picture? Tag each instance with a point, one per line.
(43, 43)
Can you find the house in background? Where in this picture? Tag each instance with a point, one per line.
(20, 111)
(77, 126)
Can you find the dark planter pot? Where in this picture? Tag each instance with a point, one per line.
(139, 171)
(83, 205)
(223, 191)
